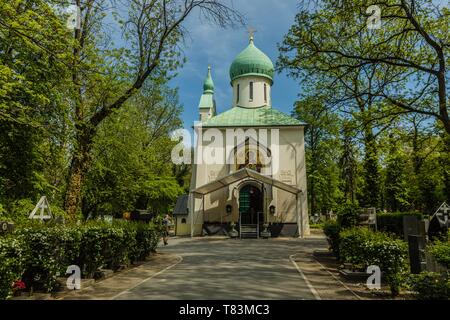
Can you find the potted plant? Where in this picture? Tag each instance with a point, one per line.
(266, 232)
(233, 231)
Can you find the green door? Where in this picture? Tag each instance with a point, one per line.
(250, 204)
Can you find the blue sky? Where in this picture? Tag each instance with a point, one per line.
(209, 44)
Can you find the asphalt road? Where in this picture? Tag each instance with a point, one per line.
(229, 269)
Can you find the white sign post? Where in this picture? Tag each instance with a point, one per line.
(42, 206)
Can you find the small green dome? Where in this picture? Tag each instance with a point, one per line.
(208, 86)
(252, 61)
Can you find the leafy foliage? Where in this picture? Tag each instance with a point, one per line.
(364, 248)
(441, 252)
(431, 285)
(347, 215)
(39, 253)
(393, 222)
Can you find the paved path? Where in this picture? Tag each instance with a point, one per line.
(230, 269)
(219, 268)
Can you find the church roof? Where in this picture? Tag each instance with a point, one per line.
(252, 117)
(206, 101)
(181, 207)
(252, 61)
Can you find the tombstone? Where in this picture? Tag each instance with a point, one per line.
(60, 220)
(108, 219)
(416, 247)
(442, 214)
(368, 217)
(43, 206)
(6, 227)
(411, 226)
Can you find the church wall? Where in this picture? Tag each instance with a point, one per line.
(258, 92)
(292, 171)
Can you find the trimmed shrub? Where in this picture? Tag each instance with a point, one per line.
(393, 222)
(431, 285)
(364, 248)
(441, 252)
(44, 255)
(347, 215)
(331, 230)
(11, 264)
(39, 253)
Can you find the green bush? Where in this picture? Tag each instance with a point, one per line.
(431, 285)
(347, 215)
(364, 248)
(331, 230)
(39, 253)
(393, 222)
(44, 253)
(11, 264)
(440, 250)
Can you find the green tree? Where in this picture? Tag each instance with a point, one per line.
(105, 75)
(396, 189)
(33, 73)
(348, 165)
(321, 153)
(131, 166)
(410, 50)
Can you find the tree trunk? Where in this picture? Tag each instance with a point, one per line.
(78, 169)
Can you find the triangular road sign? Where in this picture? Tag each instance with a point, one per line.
(42, 206)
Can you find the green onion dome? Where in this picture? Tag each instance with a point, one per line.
(252, 61)
(208, 86)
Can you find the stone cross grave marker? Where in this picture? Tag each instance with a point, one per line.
(39, 212)
(442, 214)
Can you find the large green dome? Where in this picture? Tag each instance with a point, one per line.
(252, 61)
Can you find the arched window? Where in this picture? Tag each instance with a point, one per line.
(238, 93)
(265, 92)
(251, 91)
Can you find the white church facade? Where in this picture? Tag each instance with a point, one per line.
(249, 170)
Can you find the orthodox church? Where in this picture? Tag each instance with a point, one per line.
(254, 184)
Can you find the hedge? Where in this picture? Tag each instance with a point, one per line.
(393, 222)
(441, 252)
(11, 264)
(39, 254)
(431, 285)
(364, 248)
(331, 230)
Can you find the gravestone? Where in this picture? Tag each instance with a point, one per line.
(6, 227)
(411, 226)
(443, 215)
(439, 222)
(416, 247)
(42, 210)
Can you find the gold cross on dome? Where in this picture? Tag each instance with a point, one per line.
(251, 31)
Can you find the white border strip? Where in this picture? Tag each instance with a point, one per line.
(180, 259)
(311, 288)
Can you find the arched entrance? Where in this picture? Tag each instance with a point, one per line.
(251, 205)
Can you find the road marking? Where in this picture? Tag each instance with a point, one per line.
(180, 259)
(311, 288)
